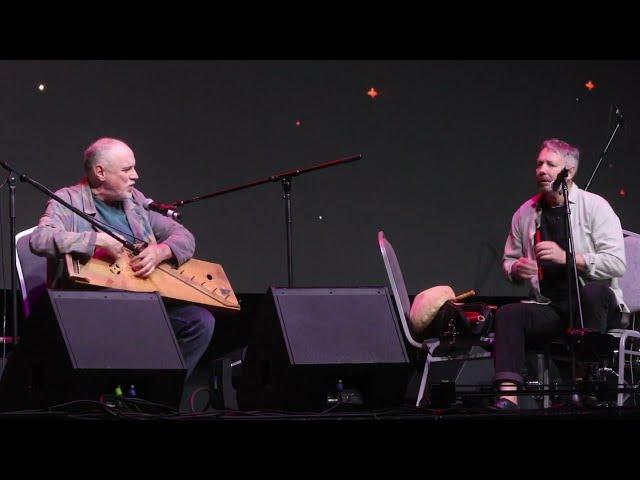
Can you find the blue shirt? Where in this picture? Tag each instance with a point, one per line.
(114, 216)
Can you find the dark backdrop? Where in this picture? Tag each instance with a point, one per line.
(449, 147)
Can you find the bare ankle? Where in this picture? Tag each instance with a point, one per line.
(507, 387)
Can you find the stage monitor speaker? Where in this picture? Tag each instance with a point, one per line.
(317, 347)
(84, 344)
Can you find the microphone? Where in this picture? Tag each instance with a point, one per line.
(559, 179)
(165, 209)
(619, 116)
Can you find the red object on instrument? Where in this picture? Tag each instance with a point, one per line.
(537, 240)
(474, 317)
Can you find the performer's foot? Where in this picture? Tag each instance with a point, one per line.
(587, 401)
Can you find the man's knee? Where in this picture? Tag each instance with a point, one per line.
(193, 320)
(509, 310)
(597, 292)
(508, 314)
(204, 322)
(600, 306)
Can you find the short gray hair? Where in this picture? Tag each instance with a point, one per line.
(98, 149)
(570, 153)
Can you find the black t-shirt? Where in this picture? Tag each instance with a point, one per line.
(553, 284)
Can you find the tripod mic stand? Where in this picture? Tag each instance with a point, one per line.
(11, 182)
(572, 279)
(578, 335)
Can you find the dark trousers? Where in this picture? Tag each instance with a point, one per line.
(193, 326)
(520, 324)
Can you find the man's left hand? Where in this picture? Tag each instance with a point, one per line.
(550, 251)
(146, 261)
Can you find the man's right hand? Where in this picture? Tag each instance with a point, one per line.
(107, 246)
(524, 268)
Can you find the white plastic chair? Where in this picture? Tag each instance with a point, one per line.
(32, 272)
(629, 347)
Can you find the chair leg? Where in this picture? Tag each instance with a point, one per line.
(423, 382)
(543, 377)
(621, 352)
(547, 379)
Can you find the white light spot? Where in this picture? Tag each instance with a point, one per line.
(41, 87)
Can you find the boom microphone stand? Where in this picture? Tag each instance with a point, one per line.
(619, 124)
(285, 179)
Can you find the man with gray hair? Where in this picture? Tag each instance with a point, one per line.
(536, 253)
(107, 193)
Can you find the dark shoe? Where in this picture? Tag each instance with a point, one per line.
(504, 404)
(590, 401)
(576, 400)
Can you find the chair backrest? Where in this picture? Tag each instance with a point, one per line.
(32, 272)
(630, 282)
(398, 288)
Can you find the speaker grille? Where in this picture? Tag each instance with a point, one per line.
(116, 330)
(334, 326)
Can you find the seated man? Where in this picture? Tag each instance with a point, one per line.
(535, 252)
(107, 193)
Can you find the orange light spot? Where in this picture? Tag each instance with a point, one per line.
(590, 85)
(373, 93)
(622, 192)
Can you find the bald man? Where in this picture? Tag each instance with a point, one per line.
(108, 194)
